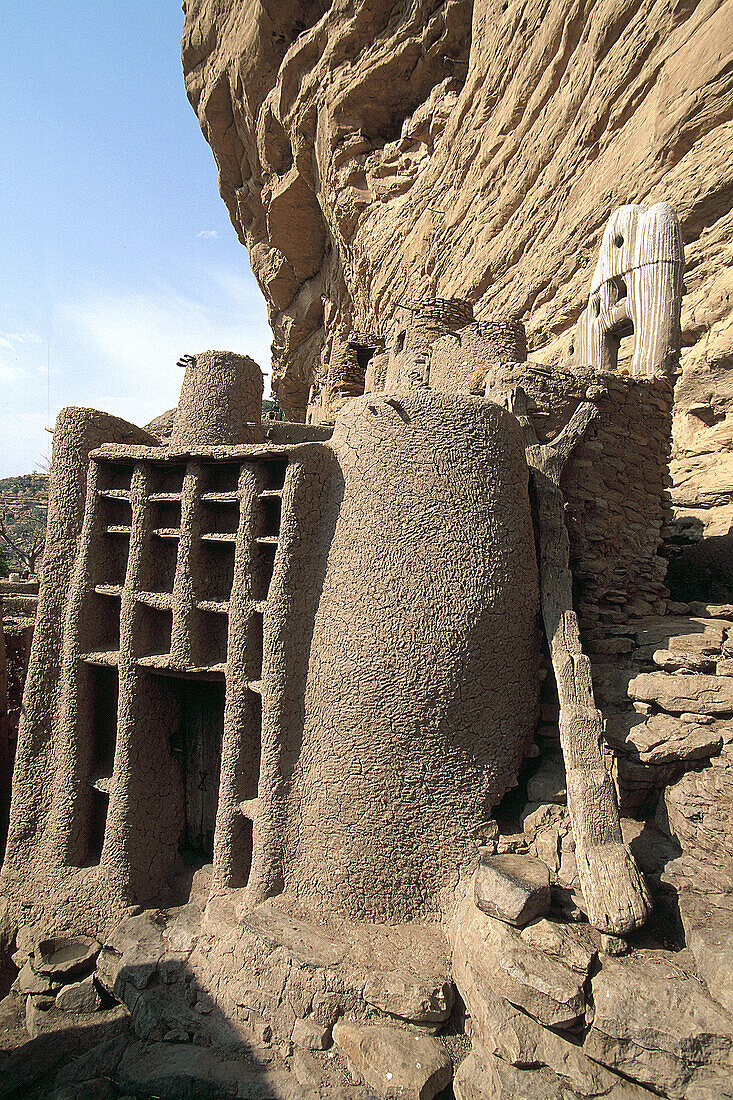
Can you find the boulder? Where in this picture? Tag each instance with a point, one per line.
(79, 997)
(184, 1072)
(709, 936)
(662, 738)
(694, 694)
(548, 783)
(512, 888)
(101, 1061)
(698, 812)
(409, 997)
(97, 1088)
(659, 1027)
(484, 1077)
(132, 952)
(395, 1063)
(481, 1076)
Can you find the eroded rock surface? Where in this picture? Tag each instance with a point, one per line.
(372, 153)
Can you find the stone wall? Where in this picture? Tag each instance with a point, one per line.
(615, 485)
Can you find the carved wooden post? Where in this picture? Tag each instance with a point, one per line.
(614, 889)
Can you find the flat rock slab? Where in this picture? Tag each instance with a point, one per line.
(30, 982)
(131, 954)
(79, 997)
(402, 970)
(395, 1063)
(663, 738)
(421, 1002)
(673, 660)
(303, 940)
(481, 1076)
(689, 634)
(512, 888)
(182, 1072)
(523, 974)
(660, 1028)
(684, 694)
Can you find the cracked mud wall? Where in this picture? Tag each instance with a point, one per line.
(401, 654)
(370, 153)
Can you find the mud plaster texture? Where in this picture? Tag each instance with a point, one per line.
(220, 403)
(418, 642)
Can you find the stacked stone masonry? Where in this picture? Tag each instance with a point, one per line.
(616, 488)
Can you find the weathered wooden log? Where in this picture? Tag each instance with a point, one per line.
(613, 887)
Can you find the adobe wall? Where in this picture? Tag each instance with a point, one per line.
(386, 752)
(76, 433)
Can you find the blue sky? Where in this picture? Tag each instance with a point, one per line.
(116, 252)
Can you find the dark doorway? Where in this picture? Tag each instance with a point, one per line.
(197, 745)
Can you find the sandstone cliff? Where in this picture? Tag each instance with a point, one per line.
(373, 152)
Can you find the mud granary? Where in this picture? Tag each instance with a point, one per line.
(283, 675)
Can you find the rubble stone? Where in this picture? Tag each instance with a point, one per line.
(79, 997)
(512, 888)
(394, 1062)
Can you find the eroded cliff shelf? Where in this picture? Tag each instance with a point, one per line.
(370, 153)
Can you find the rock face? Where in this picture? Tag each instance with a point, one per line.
(370, 153)
(671, 1037)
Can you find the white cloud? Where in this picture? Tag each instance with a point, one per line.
(210, 233)
(13, 339)
(29, 444)
(140, 337)
(20, 358)
(117, 351)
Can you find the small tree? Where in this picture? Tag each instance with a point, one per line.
(26, 541)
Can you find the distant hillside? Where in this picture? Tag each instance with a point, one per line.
(23, 505)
